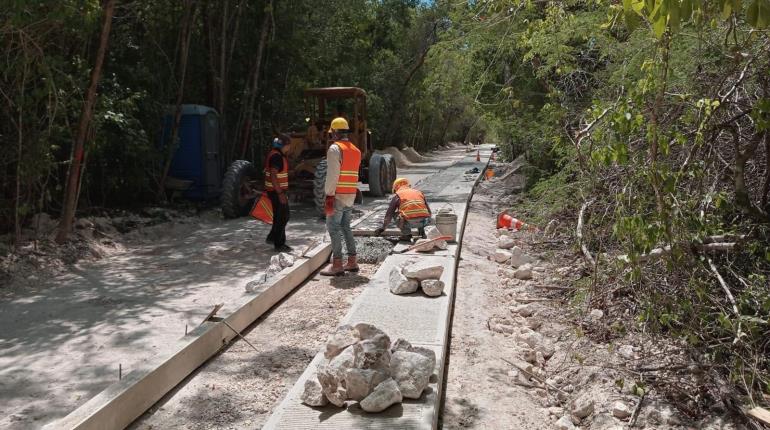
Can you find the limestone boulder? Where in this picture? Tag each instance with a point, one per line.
(313, 394)
(359, 383)
(400, 284)
(523, 272)
(506, 242)
(620, 410)
(519, 257)
(344, 336)
(432, 287)
(374, 353)
(421, 271)
(501, 256)
(368, 331)
(384, 395)
(286, 260)
(412, 372)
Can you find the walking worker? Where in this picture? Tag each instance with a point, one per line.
(343, 160)
(276, 186)
(410, 209)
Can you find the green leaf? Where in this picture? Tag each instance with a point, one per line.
(686, 10)
(630, 14)
(673, 15)
(758, 14)
(659, 26)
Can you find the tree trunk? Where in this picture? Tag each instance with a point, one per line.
(73, 177)
(253, 85)
(184, 40)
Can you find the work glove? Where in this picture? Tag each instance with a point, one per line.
(329, 206)
(378, 232)
(283, 199)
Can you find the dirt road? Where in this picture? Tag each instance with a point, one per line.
(65, 338)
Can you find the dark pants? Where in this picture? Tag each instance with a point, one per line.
(280, 219)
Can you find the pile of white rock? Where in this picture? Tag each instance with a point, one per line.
(412, 276)
(362, 365)
(508, 252)
(278, 262)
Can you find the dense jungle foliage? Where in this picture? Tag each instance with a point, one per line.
(648, 118)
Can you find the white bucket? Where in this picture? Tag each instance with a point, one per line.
(446, 223)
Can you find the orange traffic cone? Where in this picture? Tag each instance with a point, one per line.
(478, 155)
(506, 221)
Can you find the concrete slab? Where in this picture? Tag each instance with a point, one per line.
(423, 321)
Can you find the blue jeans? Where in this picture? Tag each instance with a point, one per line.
(338, 226)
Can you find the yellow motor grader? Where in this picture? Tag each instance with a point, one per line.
(307, 164)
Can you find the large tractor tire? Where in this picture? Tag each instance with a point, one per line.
(392, 171)
(378, 176)
(319, 184)
(236, 197)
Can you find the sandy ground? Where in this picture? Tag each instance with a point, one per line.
(497, 376)
(239, 388)
(479, 392)
(65, 335)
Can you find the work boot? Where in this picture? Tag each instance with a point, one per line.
(334, 269)
(352, 264)
(405, 238)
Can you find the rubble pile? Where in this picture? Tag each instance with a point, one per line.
(362, 365)
(412, 276)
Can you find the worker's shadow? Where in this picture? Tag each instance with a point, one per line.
(350, 280)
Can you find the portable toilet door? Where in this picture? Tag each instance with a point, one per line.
(197, 155)
(212, 175)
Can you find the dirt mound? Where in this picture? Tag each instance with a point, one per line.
(401, 160)
(414, 156)
(508, 180)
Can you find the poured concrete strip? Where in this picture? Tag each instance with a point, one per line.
(423, 321)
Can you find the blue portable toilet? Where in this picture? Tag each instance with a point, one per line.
(197, 156)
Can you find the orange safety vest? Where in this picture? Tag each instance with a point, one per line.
(412, 204)
(351, 161)
(283, 174)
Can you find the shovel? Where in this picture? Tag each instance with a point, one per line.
(413, 247)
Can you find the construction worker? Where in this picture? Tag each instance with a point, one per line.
(343, 160)
(276, 185)
(410, 209)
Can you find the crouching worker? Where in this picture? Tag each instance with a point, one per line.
(409, 208)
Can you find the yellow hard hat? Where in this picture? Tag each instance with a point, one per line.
(400, 182)
(338, 123)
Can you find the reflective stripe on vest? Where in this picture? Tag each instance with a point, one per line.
(412, 204)
(283, 175)
(351, 161)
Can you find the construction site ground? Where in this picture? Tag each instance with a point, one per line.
(67, 336)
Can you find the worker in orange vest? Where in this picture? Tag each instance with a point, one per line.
(276, 186)
(343, 160)
(410, 209)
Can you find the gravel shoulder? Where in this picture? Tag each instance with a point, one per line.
(239, 388)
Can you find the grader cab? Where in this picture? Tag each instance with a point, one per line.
(307, 163)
